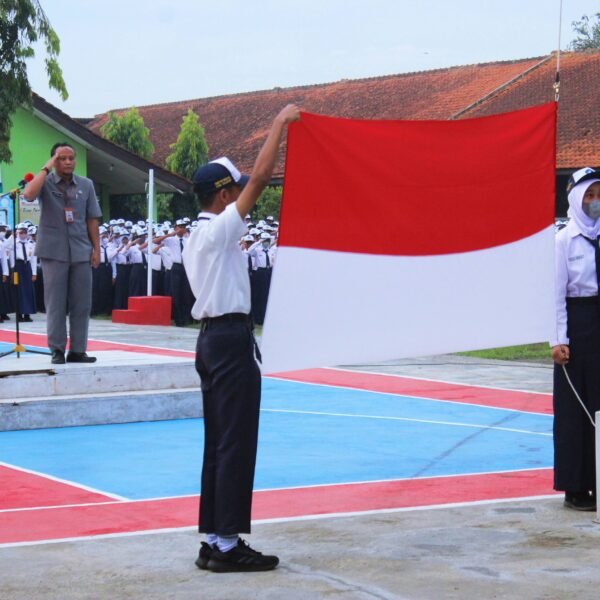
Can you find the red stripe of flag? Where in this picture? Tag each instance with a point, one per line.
(418, 187)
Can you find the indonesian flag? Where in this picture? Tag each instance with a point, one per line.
(411, 238)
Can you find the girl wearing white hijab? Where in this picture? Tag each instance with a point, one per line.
(577, 342)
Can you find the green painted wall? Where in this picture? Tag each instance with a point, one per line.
(30, 143)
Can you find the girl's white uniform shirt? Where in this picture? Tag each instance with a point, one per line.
(575, 260)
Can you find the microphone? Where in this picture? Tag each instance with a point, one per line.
(26, 179)
(15, 191)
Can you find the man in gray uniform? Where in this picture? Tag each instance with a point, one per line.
(68, 242)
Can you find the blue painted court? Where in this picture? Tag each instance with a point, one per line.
(309, 435)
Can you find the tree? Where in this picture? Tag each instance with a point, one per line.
(128, 130)
(588, 34)
(22, 24)
(191, 149)
(269, 203)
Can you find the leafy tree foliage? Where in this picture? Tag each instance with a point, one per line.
(191, 149)
(128, 130)
(269, 203)
(22, 24)
(588, 34)
(184, 205)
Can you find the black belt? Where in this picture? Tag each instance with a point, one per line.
(582, 300)
(232, 318)
(227, 318)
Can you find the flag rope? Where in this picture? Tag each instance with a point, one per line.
(556, 85)
(578, 397)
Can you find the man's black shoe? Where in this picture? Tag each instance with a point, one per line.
(58, 357)
(240, 558)
(206, 551)
(580, 501)
(5, 317)
(27, 319)
(80, 357)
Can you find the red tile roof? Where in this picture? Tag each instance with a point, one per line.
(236, 125)
(578, 131)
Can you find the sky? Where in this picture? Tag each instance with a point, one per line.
(122, 53)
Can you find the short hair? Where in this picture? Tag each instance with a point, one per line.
(206, 198)
(60, 145)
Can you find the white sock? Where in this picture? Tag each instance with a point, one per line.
(227, 542)
(211, 539)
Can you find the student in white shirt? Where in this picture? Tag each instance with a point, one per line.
(225, 353)
(577, 342)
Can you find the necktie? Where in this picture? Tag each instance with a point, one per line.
(23, 250)
(267, 259)
(596, 244)
(105, 255)
(144, 261)
(181, 248)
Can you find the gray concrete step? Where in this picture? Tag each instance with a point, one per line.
(121, 387)
(114, 372)
(100, 409)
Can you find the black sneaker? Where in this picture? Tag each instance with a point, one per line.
(580, 501)
(240, 558)
(206, 551)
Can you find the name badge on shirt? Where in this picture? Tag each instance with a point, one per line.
(69, 215)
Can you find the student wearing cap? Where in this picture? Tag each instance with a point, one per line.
(577, 342)
(137, 258)
(5, 303)
(24, 263)
(116, 253)
(261, 278)
(6, 244)
(102, 278)
(246, 243)
(225, 353)
(179, 286)
(38, 284)
(69, 244)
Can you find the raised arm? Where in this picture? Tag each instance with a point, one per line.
(265, 161)
(34, 187)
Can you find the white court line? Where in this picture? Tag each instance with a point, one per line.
(280, 489)
(459, 383)
(428, 421)
(192, 353)
(402, 395)
(284, 520)
(65, 481)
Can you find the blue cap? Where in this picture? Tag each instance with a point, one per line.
(217, 174)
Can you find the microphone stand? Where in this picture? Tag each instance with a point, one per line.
(18, 348)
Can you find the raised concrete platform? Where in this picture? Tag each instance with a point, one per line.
(121, 387)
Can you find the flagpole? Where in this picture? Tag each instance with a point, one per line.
(150, 226)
